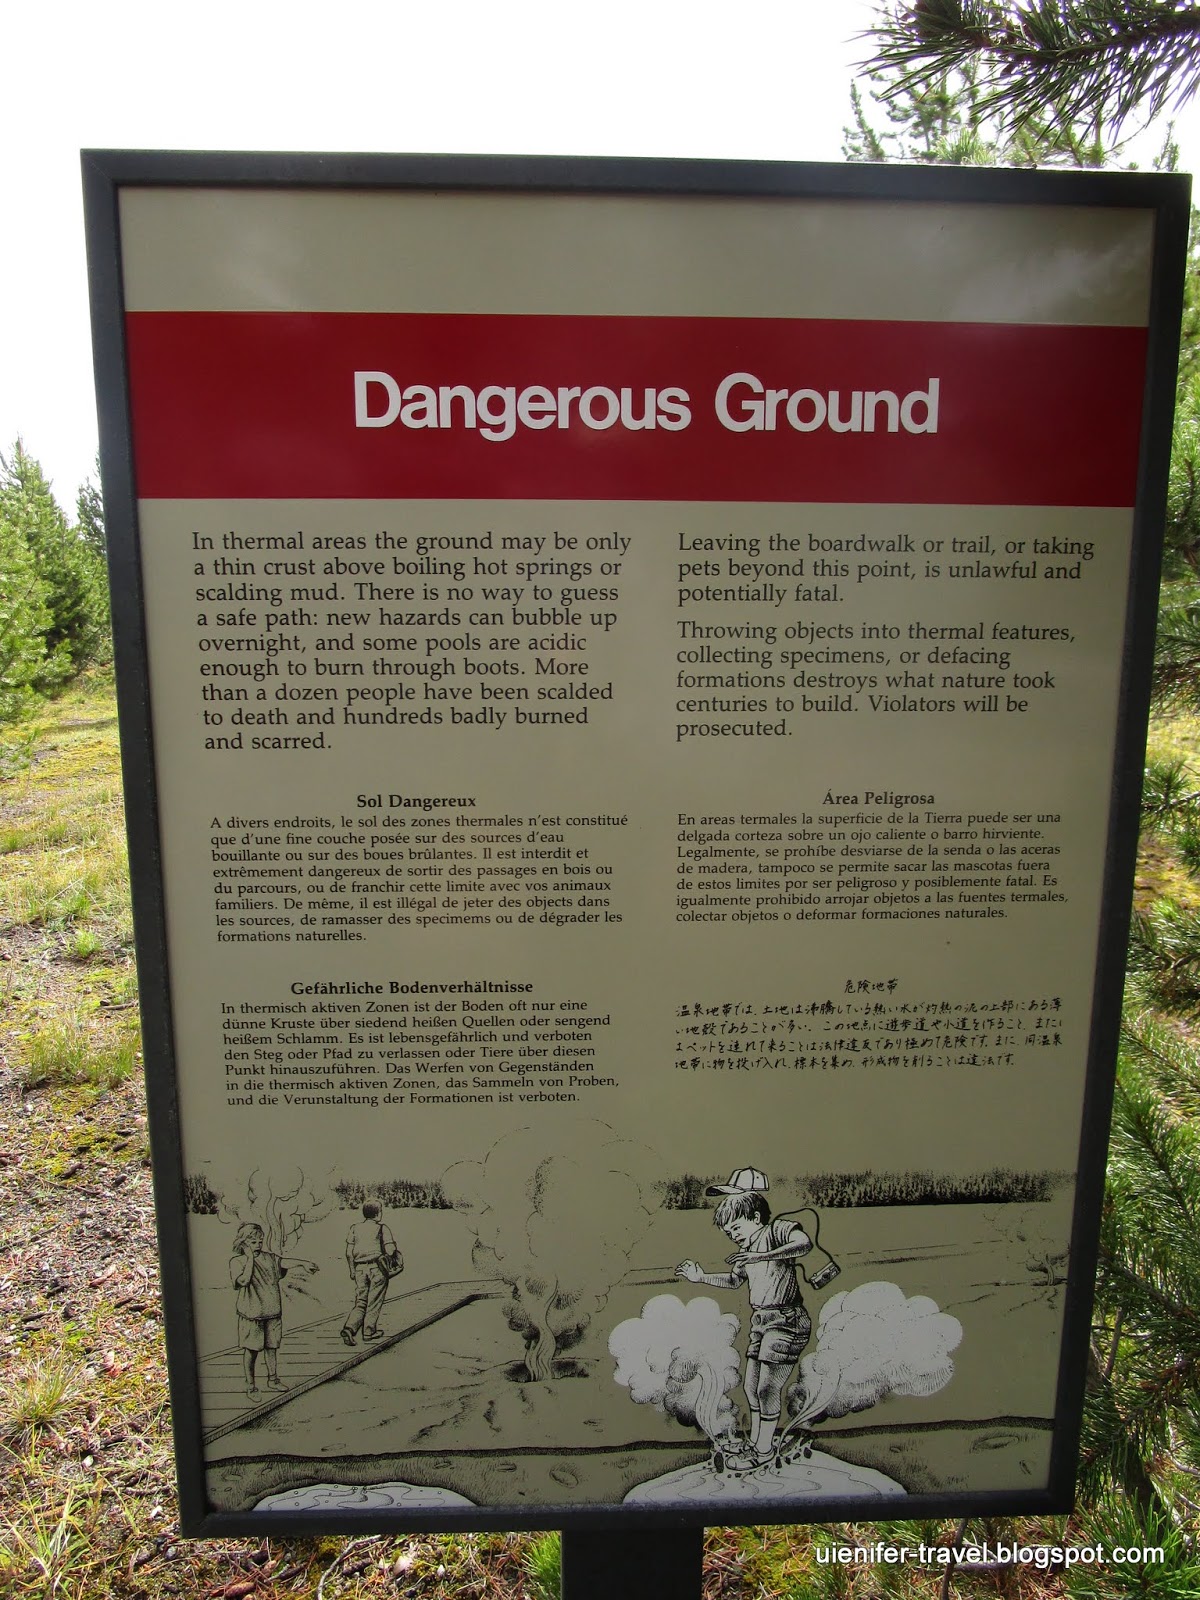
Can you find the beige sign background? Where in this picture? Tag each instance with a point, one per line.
(533, 867)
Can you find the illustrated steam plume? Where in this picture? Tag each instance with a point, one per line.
(679, 1358)
(282, 1202)
(872, 1342)
(557, 1228)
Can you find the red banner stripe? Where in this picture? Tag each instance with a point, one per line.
(262, 406)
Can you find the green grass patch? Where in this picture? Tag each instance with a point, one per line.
(40, 1396)
(543, 1563)
(83, 944)
(56, 889)
(17, 749)
(119, 983)
(66, 1050)
(1174, 738)
(47, 1555)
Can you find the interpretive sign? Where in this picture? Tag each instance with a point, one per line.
(632, 678)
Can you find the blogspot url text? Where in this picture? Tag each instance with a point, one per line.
(989, 1556)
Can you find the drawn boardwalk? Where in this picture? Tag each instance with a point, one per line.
(313, 1353)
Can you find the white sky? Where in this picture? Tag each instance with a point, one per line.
(759, 79)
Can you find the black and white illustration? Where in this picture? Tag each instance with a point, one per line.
(574, 1328)
(872, 1342)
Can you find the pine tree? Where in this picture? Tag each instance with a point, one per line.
(89, 515)
(1142, 1418)
(24, 618)
(943, 119)
(69, 569)
(1183, 488)
(1089, 61)
(89, 527)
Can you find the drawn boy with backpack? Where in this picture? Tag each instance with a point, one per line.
(765, 1261)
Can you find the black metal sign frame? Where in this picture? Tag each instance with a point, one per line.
(108, 175)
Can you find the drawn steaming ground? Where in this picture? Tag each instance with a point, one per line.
(558, 1229)
(283, 1202)
(679, 1357)
(872, 1342)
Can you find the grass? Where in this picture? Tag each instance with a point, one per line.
(1161, 875)
(48, 1558)
(57, 888)
(1174, 739)
(62, 828)
(543, 1563)
(67, 1050)
(83, 944)
(40, 1396)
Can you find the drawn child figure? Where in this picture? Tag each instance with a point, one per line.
(765, 1261)
(255, 1273)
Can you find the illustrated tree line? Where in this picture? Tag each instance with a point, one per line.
(54, 617)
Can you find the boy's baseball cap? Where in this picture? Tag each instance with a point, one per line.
(746, 1180)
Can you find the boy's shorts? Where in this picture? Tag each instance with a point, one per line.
(259, 1333)
(778, 1333)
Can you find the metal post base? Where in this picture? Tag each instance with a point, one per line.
(666, 1564)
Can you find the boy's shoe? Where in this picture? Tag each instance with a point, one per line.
(740, 1457)
(347, 1336)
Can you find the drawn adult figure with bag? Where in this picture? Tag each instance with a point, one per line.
(373, 1259)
